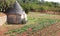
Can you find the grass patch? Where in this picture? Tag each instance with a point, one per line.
(35, 23)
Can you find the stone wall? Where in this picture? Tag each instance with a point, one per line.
(3, 18)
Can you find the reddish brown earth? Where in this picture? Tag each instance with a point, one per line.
(4, 29)
(53, 30)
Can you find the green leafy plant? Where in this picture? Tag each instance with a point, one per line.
(4, 4)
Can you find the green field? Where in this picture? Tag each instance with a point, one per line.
(36, 21)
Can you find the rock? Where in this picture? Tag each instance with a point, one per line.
(3, 18)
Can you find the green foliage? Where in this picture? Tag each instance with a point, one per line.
(26, 7)
(30, 5)
(9, 2)
(4, 4)
(35, 5)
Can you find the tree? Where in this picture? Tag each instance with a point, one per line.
(4, 4)
(28, 4)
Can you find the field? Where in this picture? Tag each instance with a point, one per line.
(38, 25)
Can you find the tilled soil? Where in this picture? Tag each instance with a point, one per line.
(53, 30)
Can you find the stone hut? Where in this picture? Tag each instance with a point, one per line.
(16, 15)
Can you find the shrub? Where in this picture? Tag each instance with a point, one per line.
(43, 8)
(4, 4)
(26, 7)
